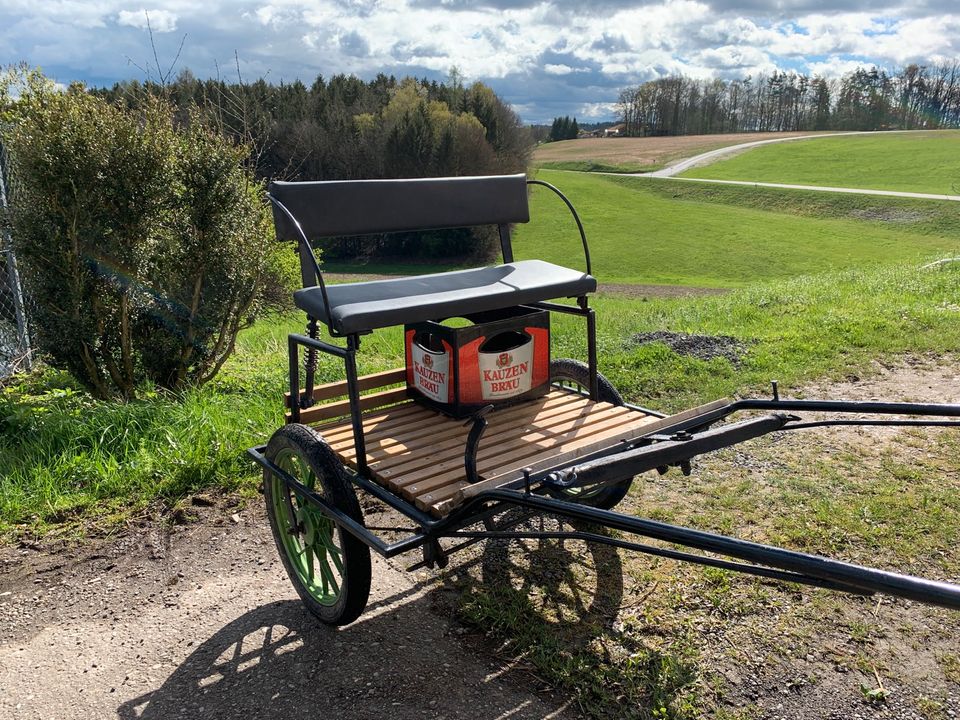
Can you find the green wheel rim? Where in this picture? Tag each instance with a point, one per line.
(310, 538)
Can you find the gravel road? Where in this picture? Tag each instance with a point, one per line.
(199, 621)
(706, 158)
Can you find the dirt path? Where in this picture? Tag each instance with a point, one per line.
(201, 622)
(827, 188)
(706, 158)
(653, 150)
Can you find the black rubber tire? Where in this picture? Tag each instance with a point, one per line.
(337, 489)
(577, 374)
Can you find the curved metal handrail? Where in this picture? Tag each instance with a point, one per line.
(576, 217)
(306, 246)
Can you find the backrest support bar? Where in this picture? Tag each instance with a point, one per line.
(359, 207)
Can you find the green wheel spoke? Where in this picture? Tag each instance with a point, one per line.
(334, 552)
(327, 574)
(308, 562)
(324, 586)
(317, 555)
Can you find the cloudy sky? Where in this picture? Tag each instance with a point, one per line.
(545, 57)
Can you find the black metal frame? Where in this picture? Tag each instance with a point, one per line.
(309, 265)
(539, 491)
(674, 445)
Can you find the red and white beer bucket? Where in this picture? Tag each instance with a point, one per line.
(507, 372)
(494, 357)
(431, 368)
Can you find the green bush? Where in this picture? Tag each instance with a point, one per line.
(144, 248)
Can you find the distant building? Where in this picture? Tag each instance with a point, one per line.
(614, 130)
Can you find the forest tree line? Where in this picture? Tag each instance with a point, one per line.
(912, 98)
(564, 129)
(345, 128)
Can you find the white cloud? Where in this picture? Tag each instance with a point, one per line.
(833, 67)
(551, 56)
(597, 110)
(158, 20)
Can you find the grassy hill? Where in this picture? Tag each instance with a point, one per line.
(643, 231)
(915, 162)
(636, 154)
(823, 286)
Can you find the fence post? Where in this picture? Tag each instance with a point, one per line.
(13, 277)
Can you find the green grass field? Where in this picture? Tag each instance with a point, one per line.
(927, 162)
(643, 231)
(826, 282)
(822, 287)
(64, 455)
(598, 166)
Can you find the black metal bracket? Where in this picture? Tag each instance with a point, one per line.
(576, 217)
(479, 424)
(433, 554)
(677, 451)
(305, 251)
(349, 357)
(583, 309)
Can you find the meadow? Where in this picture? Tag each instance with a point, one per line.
(820, 290)
(820, 286)
(925, 162)
(643, 154)
(654, 231)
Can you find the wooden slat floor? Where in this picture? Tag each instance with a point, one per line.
(418, 452)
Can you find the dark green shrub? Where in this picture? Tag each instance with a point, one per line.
(144, 249)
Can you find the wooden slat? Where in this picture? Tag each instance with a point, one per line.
(417, 452)
(504, 439)
(460, 429)
(336, 409)
(494, 459)
(340, 434)
(438, 429)
(431, 501)
(376, 423)
(373, 381)
(444, 499)
(449, 453)
(556, 459)
(659, 423)
(565, 454)
(403, 469)
(438, 443)
(393, 429)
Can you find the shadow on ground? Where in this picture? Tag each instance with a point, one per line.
(277, 661)
(404, 658)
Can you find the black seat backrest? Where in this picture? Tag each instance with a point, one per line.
(359, 207)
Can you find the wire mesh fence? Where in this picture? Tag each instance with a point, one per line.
(15, 349)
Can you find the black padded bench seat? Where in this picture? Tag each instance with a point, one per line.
(364, 306)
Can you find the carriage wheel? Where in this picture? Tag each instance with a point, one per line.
(328, 566)
(575, 374)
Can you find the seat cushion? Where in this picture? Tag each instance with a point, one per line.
(358, 307)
